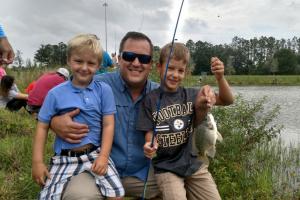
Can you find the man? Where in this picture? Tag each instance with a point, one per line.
(6, 52)
(129, 85)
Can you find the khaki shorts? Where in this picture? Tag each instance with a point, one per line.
(199, 186)
(83, 186)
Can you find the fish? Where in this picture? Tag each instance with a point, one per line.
(206, 135)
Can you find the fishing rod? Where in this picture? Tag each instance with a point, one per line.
(161, 94)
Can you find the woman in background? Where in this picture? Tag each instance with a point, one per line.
(10, 96)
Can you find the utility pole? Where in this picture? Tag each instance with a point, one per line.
(105, 5)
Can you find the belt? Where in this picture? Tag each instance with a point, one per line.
(70, 153)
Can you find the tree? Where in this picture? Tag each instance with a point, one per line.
(28, 63)
(201, 57)
(287, 61)
(51, 54)
(18, 59)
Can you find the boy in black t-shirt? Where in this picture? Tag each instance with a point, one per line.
(179, 172)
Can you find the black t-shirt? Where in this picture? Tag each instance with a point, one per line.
(174, 129)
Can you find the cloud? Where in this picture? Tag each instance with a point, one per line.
(30, 23)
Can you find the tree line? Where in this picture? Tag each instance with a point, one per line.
(256, 56)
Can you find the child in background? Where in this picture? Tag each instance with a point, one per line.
(178, 171)
(10, 96)
(97, 107)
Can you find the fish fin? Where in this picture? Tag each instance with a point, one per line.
(219, 138)
(211, 152)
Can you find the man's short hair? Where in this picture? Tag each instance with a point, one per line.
(135, 36)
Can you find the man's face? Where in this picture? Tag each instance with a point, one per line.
(135, 73)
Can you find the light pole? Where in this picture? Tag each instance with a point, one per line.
(105, 5)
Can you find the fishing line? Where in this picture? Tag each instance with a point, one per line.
(160, 96)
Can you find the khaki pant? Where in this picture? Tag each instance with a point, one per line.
(83, 187)
(199, 186)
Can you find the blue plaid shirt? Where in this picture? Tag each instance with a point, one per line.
(127, 149)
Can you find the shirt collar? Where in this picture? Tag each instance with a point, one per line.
(124, 85)
(77, 89)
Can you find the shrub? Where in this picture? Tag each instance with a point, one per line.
(252, 163)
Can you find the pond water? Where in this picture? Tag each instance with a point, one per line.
(288, 97)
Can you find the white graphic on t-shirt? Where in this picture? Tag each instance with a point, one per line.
(162, 128)
(178, 124)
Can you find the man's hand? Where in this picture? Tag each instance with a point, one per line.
(6, 52)
(217, 68)
(67, 129)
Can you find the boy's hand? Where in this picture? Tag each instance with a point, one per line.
(149, 151)
(39, 172)
(206, 98)
(100, 165)
(217, 67)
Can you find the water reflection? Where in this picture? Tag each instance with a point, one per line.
(288, 97)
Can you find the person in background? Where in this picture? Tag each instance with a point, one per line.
(178, 171)
(10, 96)
(30, 86)
(42, 86)
(106, 63)
(6, 52)
(114, 59)
(92, 154)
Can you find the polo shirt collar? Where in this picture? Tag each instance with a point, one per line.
(77, 89)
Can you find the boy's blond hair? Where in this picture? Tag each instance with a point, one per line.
(85, 42)
(180, 52)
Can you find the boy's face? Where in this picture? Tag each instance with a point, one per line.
(83, 66)
(175, 74)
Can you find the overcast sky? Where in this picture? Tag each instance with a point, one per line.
(30, 23)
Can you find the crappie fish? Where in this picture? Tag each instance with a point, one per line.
(206, 135)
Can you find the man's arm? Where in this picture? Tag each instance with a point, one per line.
(6, 51)
(67, 129)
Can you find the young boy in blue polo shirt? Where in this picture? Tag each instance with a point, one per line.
(96, 103)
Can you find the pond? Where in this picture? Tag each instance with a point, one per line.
(288, 97)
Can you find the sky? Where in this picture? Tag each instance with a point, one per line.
(31, 23)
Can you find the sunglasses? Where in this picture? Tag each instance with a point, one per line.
(130, 57)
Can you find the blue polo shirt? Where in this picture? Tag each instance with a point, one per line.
(127, 150)
(94, 101)
(2, 34)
